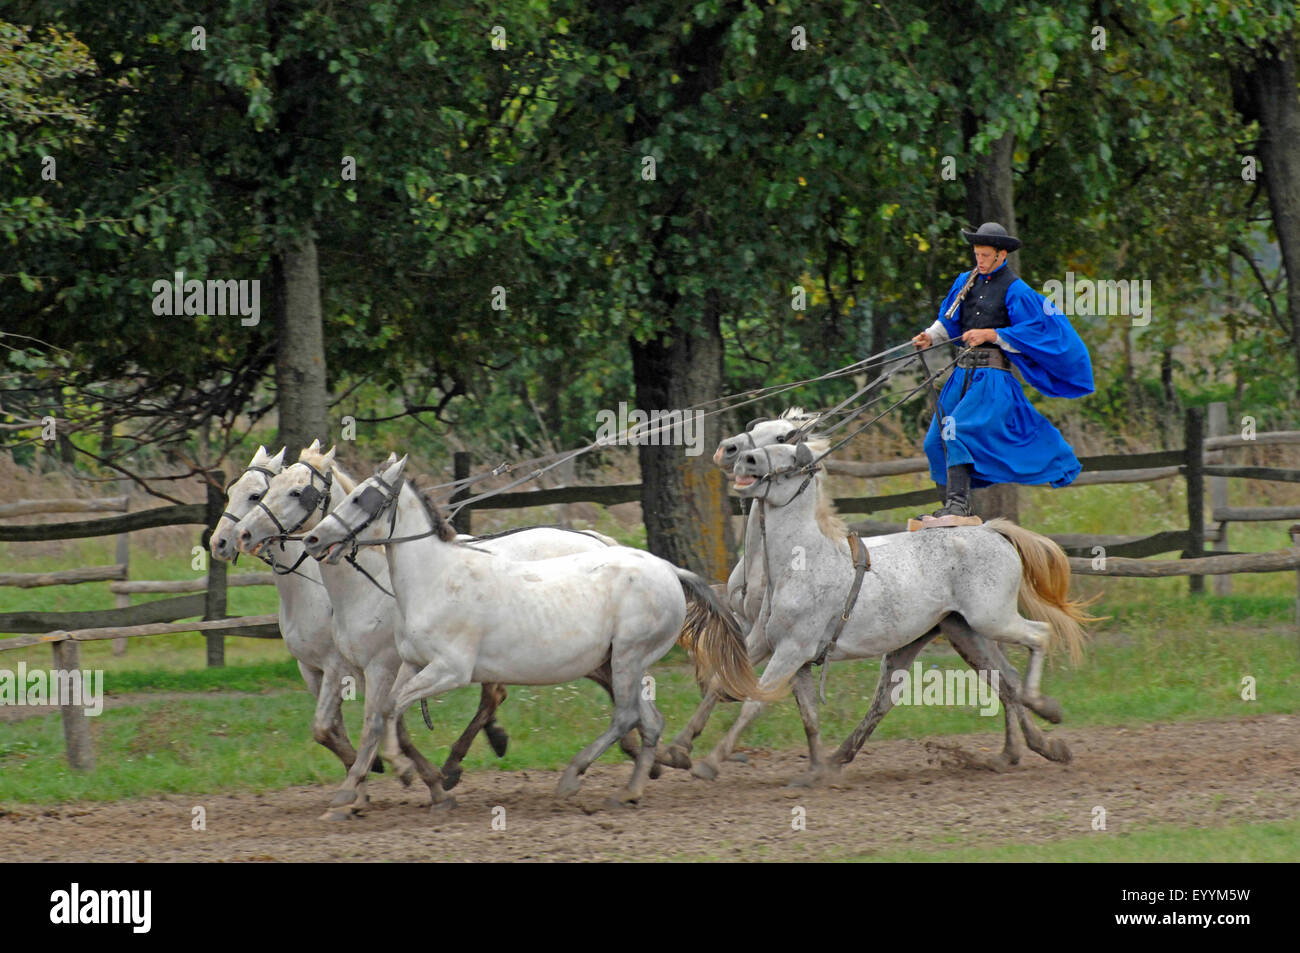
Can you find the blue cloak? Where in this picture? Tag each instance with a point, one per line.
(993, 426)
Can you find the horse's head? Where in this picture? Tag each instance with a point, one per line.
(241, 496)
(775, 473)
(297, 497)
(763, 432)
(357, 516)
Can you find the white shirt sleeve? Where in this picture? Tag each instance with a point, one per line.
(1004, 345)
(938, 333)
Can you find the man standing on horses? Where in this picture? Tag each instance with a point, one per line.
(985, 431)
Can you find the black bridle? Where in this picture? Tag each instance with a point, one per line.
(373, 500)
(310, 499)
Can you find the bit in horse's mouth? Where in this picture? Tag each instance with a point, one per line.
(743, 480)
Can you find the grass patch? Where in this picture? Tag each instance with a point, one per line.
(1145, 670)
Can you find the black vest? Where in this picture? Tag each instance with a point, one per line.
(985, 305)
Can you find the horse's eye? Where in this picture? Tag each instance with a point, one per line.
(254, 497)
(295, 493)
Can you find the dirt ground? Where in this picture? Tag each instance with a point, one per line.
(897, 795)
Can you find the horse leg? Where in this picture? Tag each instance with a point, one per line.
(626, 692)
(1034, 636)
(351, 796)
(984, 656)
(411, 686)
(430, 775)
(787, 660)
(602, 677)
(651, 727)
(327, 719)
(678, 753)
(897, 660)
(1053, 749)
(805, 696)
(491, 696)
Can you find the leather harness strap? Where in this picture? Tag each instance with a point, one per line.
(861, 564)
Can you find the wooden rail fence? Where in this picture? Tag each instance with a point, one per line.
(1122, 554)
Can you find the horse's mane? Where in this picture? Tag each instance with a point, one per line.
(317, 459)
(829, 521)
(446, 532)
(797, 413)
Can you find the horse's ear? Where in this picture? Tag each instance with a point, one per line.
(328, 459)
(755, 422)
(276, 462)
(802, 455)
(315, 446)
(392, 470)
(392, 458)
(259, 456)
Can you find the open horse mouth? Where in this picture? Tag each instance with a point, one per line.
(744, 479)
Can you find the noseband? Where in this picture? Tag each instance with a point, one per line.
(310, 499)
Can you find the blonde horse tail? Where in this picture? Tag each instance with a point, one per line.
(1045, 587)
(717, 646)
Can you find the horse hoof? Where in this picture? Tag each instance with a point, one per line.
(616, 804)
(704, 771)
(568, 786)
(1010, 758)
(408, 776)
(1048, 708)
(1058, 751)
(498, 739)
(451, 778)
(674, 757)
(343, 798)
(338, 815)
(441, 807)
(655, 771)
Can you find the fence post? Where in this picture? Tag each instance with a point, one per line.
(123, 556)
(1194, 445)
(214, 603)
(464, 520)
(76, 725)
(1218, 423)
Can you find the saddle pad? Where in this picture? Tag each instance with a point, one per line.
(938, 522)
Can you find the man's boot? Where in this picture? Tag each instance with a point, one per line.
(956, 508)
(957, 494)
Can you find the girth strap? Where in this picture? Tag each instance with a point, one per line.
(861, 563)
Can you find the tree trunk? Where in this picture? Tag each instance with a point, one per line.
(990, 195)
(300, 350)
(1266, 91)
(684, 498)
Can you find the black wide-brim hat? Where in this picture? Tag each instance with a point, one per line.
(993, 234)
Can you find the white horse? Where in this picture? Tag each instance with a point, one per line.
(366, 617)
(747, 586)
(473, 616)
(963, 579)
(305, 614)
